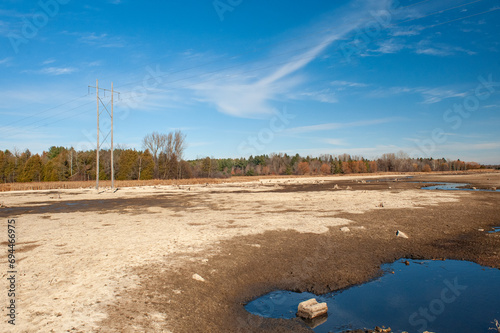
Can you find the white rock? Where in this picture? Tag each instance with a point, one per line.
(198, 278)
(345, 229)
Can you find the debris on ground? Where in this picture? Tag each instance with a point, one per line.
(311, 309)
(401, 234)
(383, 329)
(198, 278)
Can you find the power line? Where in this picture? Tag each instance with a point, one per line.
(41, 112)
(46, 118)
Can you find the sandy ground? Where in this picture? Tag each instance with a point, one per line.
(86, 259)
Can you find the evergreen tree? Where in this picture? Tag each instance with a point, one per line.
(32, 170)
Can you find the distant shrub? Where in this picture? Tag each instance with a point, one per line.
(303, 168)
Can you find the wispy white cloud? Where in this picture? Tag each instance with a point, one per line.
(98, 40)
(471, 146)
(414, 30)
(335, 142)
(48, 61)
(439, 49)
(425, 47)
(348, 84)
(5, 61)
(387, 47)
(93, 63)
(432, 51)
(92, 37)
(429, 95)
(253, 97)
(56, 70)
(336, 126)
(435, 95)
(154, 100)
(10, 22)
(324, 96)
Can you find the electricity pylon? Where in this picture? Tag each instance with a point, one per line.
(100, 102)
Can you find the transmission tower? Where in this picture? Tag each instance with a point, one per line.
(105, 106)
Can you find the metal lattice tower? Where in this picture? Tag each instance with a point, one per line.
(100, 102)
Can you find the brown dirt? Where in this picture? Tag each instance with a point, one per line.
(305, 262)
(35, 186)
(123, 262)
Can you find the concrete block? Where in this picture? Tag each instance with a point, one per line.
(311, 309)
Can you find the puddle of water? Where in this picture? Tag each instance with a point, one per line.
(438, 296)
(494, 231)
(451, 187)
(448, 186)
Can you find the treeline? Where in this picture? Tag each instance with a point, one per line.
(165, 162)
(283, 164)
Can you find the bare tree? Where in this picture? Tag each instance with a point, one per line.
(179, 147)
(167, 154)
(155, 143)
(167, 150)
(172, 154)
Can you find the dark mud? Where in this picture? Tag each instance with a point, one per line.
(176, 202)
(302, 262)
(414, 298)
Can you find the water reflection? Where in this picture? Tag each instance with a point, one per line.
(438, 296)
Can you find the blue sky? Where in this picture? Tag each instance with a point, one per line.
(242, 77)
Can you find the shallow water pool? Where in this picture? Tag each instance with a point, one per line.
(453, 187)
(438, 296)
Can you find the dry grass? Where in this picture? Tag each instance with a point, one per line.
(34, 186)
